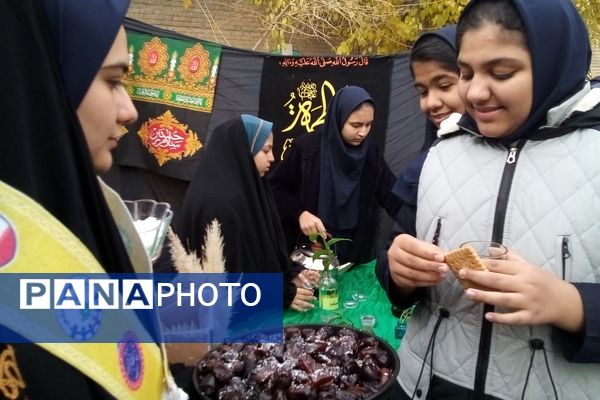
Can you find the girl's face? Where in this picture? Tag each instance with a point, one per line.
(437, 88)
(358, 125)
(106, 106)
(264, 157)
(496, 79)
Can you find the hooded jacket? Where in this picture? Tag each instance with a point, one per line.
(536, 192)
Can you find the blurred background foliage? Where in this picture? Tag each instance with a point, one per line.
(368, 27)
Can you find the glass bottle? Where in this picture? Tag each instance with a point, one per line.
(329, 297)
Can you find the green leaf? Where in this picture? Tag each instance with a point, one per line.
(318, 253)
(333, 241)
(313, 238)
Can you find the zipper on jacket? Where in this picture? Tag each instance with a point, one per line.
(565, 253)
(436, 234)
(512, 156)
(483, 356)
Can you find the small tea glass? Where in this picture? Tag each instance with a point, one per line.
(367, 322)
(358, 290)
(486, 249)
(350, 304)
(312, 286)
(151, 220)
(309, 286)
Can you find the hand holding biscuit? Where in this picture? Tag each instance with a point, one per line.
(469, 256)
(465, 257)
(525, 294)
(415, 263)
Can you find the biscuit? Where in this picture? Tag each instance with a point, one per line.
(465, 257)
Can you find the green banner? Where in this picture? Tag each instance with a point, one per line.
(180, 73)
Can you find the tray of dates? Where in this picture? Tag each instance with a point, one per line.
(314, 361)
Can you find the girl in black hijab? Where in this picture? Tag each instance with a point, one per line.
(229, 186)
(69, 60)
(332, 181)
(48, 159)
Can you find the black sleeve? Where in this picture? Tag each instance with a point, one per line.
(289, 288)
(384, 194)
(382, 271)
(285, 181)
(289, 292)
(584, 347)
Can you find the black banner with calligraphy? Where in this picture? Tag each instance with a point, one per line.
(295, 92)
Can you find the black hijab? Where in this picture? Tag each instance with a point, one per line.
(84, 32)
(44, 153)
(341, 164)
(227, 186)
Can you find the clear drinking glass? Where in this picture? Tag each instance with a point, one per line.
(359, 291)
(350, 304)
(151, 220)
(487, 249)
(367, 322)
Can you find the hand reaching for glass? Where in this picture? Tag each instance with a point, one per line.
(304, 300)
(307, 279)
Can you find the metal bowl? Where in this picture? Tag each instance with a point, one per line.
(303, 255)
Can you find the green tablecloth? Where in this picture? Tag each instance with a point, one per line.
(377, 305)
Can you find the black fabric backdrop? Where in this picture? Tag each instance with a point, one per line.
(295, 92)
(238, 90)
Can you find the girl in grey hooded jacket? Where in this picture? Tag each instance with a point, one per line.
(521, 170)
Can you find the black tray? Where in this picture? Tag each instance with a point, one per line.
(383, 394)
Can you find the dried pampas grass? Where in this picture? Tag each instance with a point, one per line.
(183, 261)
(212, 249)
(212, 252)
